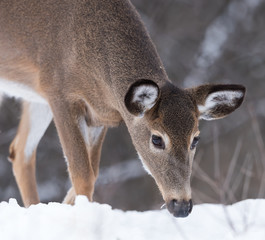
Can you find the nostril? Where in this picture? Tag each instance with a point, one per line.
(172, 206)
(190, 205)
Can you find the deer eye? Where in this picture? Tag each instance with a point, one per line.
(158, 142)
(194, 142)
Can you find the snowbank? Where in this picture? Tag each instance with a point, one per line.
(85, 220)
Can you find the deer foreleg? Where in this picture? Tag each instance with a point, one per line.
(67, 117)
(34, 121)
(94, 137)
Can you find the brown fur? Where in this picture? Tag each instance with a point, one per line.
(83, 57)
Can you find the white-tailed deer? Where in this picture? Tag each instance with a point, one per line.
(90, 64)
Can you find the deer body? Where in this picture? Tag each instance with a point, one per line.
(89, 65)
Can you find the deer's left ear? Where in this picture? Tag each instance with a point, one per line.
(217, 101)
(141, 97)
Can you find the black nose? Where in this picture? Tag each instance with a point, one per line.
(180, 208)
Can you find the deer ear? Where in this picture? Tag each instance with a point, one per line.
(141, 97)
(217, 101)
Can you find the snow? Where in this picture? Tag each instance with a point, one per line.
(86, 220)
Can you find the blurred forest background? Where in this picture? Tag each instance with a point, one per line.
(199, 41)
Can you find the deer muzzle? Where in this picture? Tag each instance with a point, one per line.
(180, 208)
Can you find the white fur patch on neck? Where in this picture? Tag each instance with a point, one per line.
(144, 165)
(146, 95)
(84, 129)
(90, 135)
(220, 98)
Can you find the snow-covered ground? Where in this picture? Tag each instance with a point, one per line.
(85, 220)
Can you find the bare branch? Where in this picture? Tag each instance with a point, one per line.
(232, 165)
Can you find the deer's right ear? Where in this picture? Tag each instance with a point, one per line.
(141, 97)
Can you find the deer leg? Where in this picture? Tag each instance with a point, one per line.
(94, 137)
(67, 117)
(34, 121)
(70, 196)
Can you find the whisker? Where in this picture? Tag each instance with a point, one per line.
(163, 206)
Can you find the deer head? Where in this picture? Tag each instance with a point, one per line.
(164, 126)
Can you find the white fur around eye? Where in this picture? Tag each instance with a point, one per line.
(146, 95)
(164, 137)
(220, 98)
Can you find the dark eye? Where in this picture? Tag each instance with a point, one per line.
(194, 143)
(158, 142)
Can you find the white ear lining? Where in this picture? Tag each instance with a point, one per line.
(220, 98)
(146, 95)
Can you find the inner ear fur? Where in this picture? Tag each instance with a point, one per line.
(216, 101)
(141, 96)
